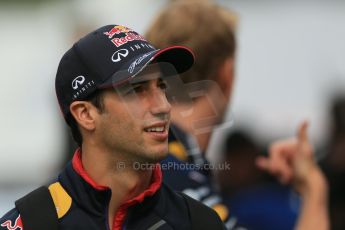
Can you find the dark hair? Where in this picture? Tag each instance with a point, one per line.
(239, 140)
(96, 99)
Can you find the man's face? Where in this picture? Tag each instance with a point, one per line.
(135, 120)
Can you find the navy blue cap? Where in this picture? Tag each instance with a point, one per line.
(94, 61)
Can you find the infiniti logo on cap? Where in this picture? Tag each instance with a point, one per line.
(122, 53)
(78, 81)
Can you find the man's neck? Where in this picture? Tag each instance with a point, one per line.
(107, 170)
(197, 119)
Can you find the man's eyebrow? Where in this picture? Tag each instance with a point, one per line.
(139, 83)
(145, 82)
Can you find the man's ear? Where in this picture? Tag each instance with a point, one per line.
(84, 114)
(226, 74)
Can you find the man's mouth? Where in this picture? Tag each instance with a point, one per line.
(157, 128)
(158, 131)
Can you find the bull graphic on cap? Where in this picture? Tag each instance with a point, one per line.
(117, 30)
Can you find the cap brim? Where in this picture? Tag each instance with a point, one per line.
(180, 57)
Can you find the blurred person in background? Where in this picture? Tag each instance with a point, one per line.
(208, 29)
(240, 151)
(257, 200)
(333, 162)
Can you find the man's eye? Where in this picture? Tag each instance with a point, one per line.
(138, 89)
(163, 85)
(135, 89)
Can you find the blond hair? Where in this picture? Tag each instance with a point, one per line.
(208, 29)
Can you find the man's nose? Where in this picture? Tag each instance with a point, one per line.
(159, 102)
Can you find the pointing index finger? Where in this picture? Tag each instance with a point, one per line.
(302, 133)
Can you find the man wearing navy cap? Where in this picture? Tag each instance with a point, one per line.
(111, 90)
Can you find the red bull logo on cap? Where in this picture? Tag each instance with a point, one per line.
(127, 38)
(117, 30)
(17, 225)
